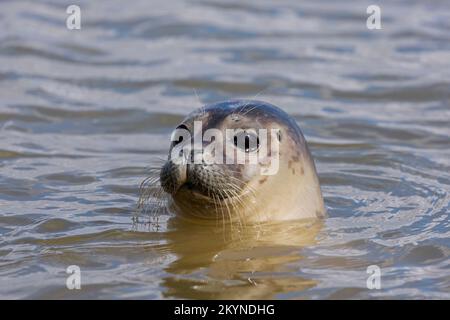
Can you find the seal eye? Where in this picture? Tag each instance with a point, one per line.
(174, 143)
(246, 141)
(181, 127)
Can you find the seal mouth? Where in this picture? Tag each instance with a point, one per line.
(201, 193)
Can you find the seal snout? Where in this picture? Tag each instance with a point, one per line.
(172, 176)
(202, 179)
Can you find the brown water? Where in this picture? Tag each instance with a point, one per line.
(83, 113)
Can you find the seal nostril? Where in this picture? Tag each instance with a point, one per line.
(172, 176)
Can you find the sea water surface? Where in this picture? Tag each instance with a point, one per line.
(84, 113)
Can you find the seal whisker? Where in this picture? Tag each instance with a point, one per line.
(239, 197)
(238, 216)
(228, 214)
(235, 201)
(251, 109)
(244, 205)
(249, 188)
(217, 213)
(152, 198)
(251, 100)
(228, 209)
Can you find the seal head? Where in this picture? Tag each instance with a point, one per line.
(220, 178)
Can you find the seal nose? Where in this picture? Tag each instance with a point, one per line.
(173, 176)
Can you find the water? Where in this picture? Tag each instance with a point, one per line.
(83, 113)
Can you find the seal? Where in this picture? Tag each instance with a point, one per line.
(246, 191)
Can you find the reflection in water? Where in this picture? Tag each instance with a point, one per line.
(253, 262)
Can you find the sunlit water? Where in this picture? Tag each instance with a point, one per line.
(83, 113)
